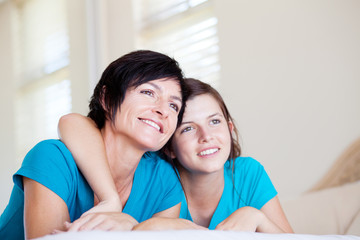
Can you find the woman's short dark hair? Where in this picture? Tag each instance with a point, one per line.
(195, 88)
(131, 70)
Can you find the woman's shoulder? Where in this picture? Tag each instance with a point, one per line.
(49, 145)
(48, 148)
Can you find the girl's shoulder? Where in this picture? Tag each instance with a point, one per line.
(243, 163)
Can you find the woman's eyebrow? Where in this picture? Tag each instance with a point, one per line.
(174, 97)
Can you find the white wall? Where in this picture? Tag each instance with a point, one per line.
(291, 77)
(7, 94)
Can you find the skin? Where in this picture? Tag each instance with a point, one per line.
(202, 146)
(146, 120)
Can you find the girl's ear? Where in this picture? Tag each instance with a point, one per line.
(172, 155)
(231, 126)
(168, 150)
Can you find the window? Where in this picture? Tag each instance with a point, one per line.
(183, 29)
(43, 85)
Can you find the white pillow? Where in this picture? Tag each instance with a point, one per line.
(328, 211)
(354, 228)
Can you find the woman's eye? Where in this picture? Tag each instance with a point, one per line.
(174, 106)
(186, 129)
(147, 92)
(215, 121)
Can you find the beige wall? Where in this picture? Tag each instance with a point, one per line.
(290, 76)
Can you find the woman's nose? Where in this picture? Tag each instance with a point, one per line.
(162, 108)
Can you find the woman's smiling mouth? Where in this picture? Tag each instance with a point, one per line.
(152, 124)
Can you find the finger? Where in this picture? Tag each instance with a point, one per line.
(77, 224)
(105, 226)
(92, 223)
(55, 231)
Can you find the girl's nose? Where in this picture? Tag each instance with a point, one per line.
(205, 135)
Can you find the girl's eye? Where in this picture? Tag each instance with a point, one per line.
(187, 129)
(147, 92)
(215, 121)
(174, 106)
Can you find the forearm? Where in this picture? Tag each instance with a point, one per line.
(267, 226)
(161, 223)
(84, 140)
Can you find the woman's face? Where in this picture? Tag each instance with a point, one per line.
(202, 142)
(148, 114)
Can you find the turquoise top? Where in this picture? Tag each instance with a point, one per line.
(251, 187)
(155, 186)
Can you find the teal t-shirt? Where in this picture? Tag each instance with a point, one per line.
(248, 185)
(155, 186)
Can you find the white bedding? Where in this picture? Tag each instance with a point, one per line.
(189, 235)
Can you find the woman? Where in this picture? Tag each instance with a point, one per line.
(136, 105)
(222, 189)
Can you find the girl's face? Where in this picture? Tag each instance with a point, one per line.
(202, 142)
(148, 114)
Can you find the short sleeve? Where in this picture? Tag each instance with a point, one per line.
(256, 185)
(49, 163)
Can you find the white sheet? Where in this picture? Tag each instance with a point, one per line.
(190, 235)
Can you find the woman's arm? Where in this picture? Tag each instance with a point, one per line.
(270, 219)
(44, 211)
(84, 140)
(163, 220)
(167, 220)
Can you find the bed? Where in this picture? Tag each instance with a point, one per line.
(329, 210)
(191, 235)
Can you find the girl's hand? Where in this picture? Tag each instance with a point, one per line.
(106, 221)
(244, 219)
(249, 219)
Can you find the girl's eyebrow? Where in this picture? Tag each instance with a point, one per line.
(215, 114)
(174, 97)
(212, 115)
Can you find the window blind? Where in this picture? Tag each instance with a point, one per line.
(183, 29)
(43, 90)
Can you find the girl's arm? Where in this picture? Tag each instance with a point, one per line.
(273, 211)
(167, 220)
(84, 140)
(44, 211)
(270, 219)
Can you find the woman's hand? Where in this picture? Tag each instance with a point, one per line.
(103, 221)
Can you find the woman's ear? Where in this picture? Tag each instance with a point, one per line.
(102, 100)
(231, 126)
